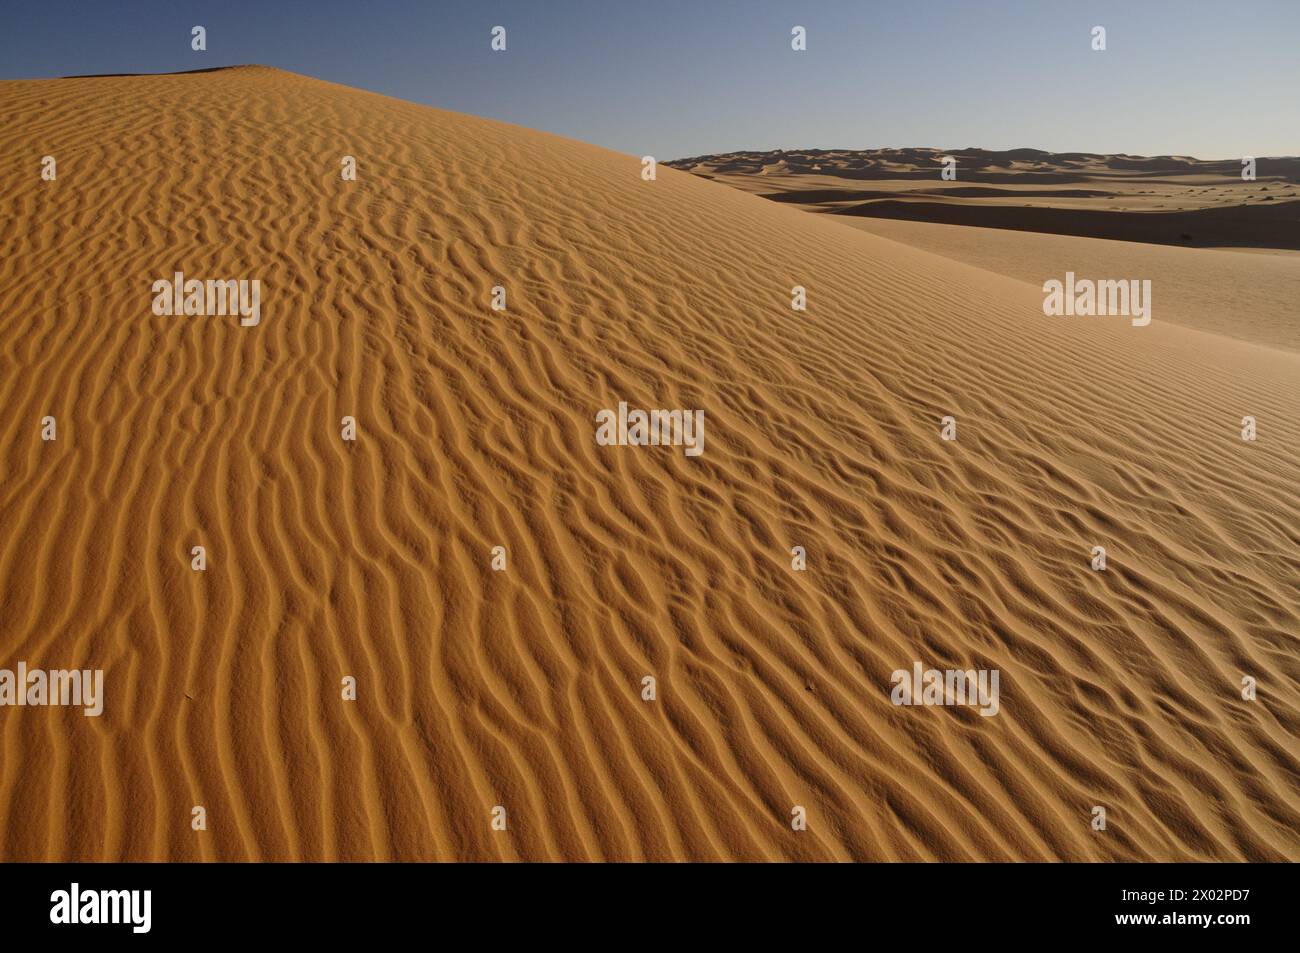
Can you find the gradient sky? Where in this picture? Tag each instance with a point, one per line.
(674, 79)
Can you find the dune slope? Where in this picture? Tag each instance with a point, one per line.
(1247, 294)
(522, 688)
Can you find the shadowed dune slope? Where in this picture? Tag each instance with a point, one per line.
(476, 429)
(1271, 226)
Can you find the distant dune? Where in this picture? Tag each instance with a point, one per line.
(523, 688)
(1167, 200)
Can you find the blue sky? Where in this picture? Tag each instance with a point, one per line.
(673, 78)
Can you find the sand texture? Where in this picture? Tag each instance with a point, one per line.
(522, 688)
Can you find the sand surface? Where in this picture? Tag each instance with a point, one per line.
(522, 688)
(1245, 293)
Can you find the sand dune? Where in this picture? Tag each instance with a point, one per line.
(475, 429)
(1247, 294)
(1167, 200)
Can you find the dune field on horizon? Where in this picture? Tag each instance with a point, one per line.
(435, 618)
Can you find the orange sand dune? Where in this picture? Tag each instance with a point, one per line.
(522, 688)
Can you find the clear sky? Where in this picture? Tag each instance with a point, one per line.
(674, 78)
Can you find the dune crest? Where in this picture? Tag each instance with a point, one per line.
(522, 688)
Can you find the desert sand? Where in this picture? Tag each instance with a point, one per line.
(1242, 293)
(1184, 223)
(1166, 200)
(475, 427)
